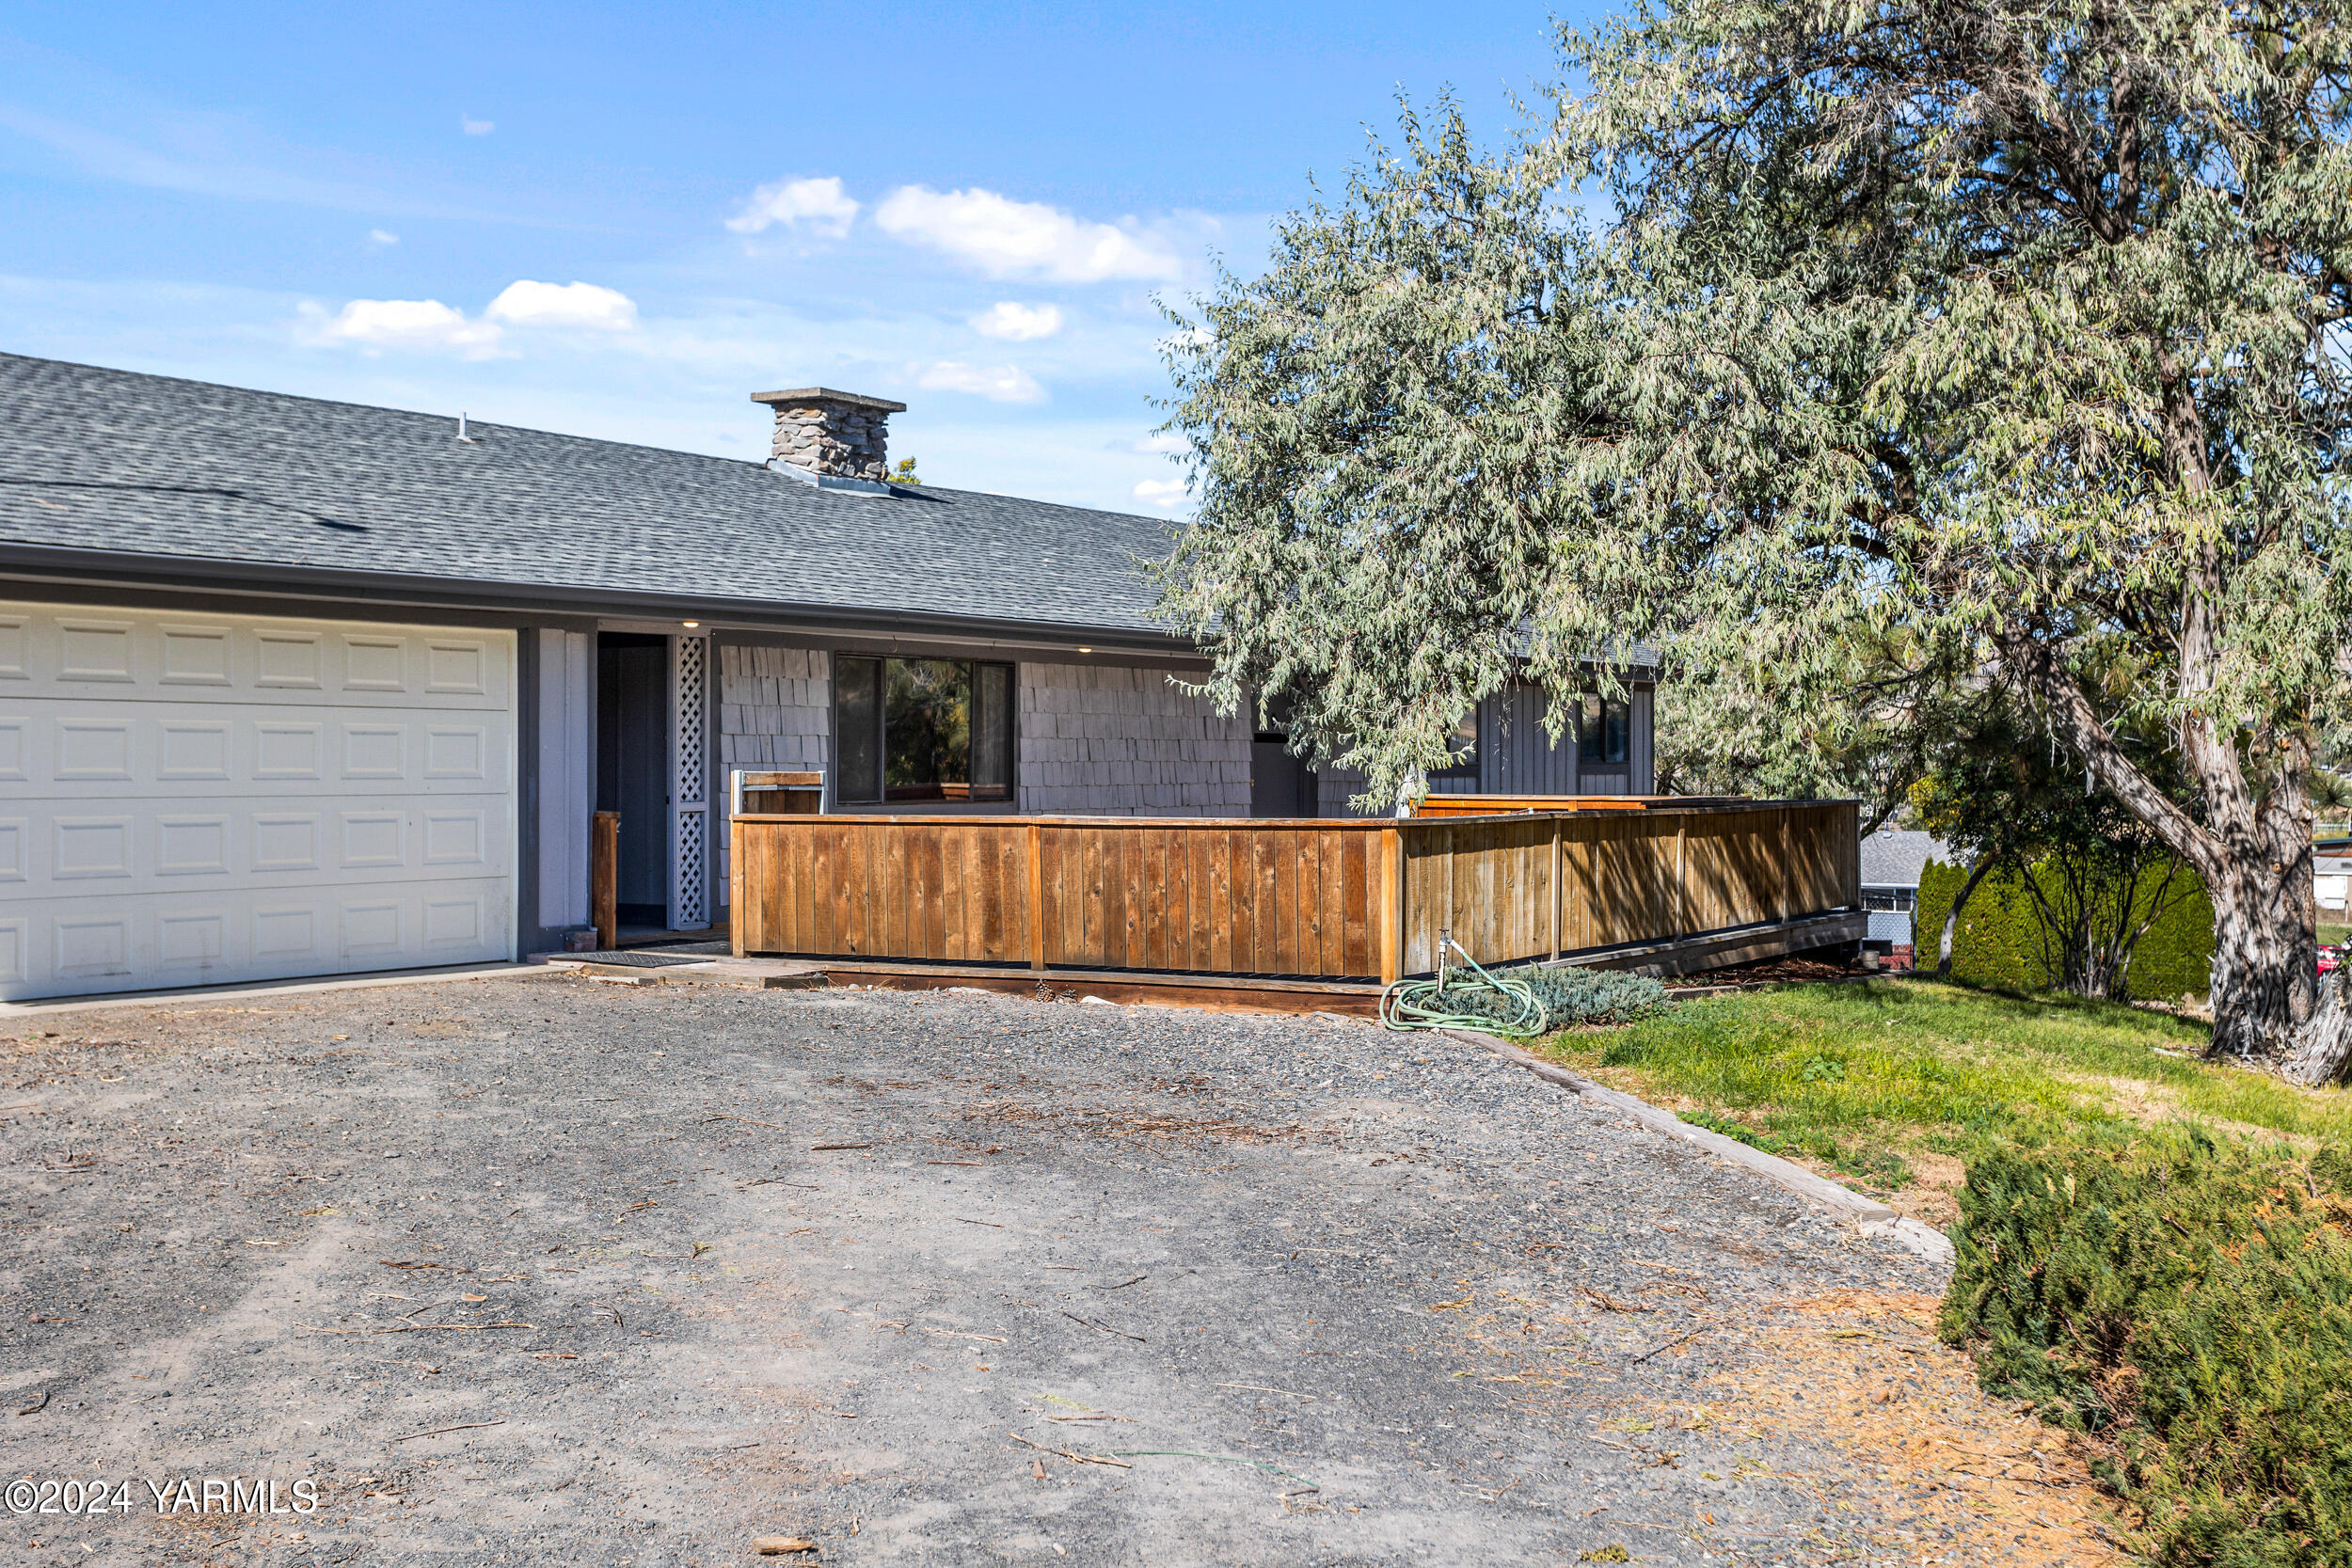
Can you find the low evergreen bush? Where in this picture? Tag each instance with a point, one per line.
(1571, 995)
(2187, 1302)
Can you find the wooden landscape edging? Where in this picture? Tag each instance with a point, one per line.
(1317, 900)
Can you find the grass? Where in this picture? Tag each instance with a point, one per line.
(1895, 1082)
(2334, 936)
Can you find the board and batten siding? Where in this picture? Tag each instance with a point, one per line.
(1516, 756)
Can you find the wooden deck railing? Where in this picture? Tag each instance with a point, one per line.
(1328, 899)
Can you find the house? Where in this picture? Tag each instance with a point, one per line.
(2331, 877)
(296, 688)
(1892, 860)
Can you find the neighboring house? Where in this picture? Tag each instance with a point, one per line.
(295, 687)
(2331, 876)
(1892, 860)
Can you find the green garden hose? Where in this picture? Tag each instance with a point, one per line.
(1420, 1003)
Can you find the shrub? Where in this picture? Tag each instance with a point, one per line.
(1571, 995)
(2188, 1302)
(1999, 943)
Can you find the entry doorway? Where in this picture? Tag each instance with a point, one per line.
(632, 770)
(1279, 784)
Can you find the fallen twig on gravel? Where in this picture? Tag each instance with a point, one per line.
(462, 1426)
(1670, 1344)
(1612, 1304)
(1104, 1328)
(1074, 1456)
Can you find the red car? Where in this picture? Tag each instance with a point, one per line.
(2330, 960)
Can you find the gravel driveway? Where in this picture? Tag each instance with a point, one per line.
(923, 1278)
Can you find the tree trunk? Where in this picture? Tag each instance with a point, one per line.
(2255, 856)
(1952, 917)
(2322, 1046)
(2264, 953)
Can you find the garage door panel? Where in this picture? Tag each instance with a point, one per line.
(192, 799)
(46, 652)
(193, 747)
(63, 850)
(191, 939)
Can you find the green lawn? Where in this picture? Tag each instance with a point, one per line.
(1891, 1084)
(2332, 936)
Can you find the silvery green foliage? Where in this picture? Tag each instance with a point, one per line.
(1571, 995)
(1378, 426)
(1929, 348)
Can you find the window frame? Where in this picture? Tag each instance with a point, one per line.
(1593, 711)
(881, 739)
(1468, 768)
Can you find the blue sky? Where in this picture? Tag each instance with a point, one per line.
(622, 221)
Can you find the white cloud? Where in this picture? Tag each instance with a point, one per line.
(524, 303)
(1018, 323)
(1005, 238)
(405, 324)
(1166, 494)
(1168, 444)
(819, 206)
(382, 236)
(996, 383)
(473, 127)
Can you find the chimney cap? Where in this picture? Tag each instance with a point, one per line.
(826, 394)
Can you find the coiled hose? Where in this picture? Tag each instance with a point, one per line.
(1420, 1003)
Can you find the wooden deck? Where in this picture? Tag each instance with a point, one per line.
(1316, 900)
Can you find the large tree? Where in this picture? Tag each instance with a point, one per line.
(1914, 346)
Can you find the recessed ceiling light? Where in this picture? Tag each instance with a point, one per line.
(1085, 650)
(689, 622)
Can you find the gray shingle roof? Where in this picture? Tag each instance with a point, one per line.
(1894, 857)
(153, 470)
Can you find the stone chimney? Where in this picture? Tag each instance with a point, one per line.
(832, 436)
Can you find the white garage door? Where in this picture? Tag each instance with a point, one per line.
(190, 799)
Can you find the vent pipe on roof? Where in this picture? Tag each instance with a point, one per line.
(836, 441)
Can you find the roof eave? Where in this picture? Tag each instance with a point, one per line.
(112, 568)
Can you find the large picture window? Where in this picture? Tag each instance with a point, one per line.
(921, 729)
(1604, 730)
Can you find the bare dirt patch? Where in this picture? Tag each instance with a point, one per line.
(1933, 1465)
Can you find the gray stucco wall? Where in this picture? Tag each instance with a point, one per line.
(1103, 740)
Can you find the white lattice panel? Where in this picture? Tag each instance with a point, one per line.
(690, 772)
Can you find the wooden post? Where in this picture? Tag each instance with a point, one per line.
(1037, 898)
(1682, 883)
(1391, 906)
(1558, 914)
(735, 886)
(604, 877)
(1785, 903)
